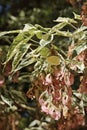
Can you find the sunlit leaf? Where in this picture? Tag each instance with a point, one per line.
(64, 33)
(76, 16)
(25, 63)
(58, 27)
(30, 28)
(45, 37)
(53, 60)
(79, 30)
(29, 59)
(19, 55)
(45, 42)
(19, 41)
(45, 52)
(39, 27)
(65, 20)
(9, 32)
(39, 34)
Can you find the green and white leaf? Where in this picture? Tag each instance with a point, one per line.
(6, 100)
(9, 32)
(45, 52)
(63, 33)
(19, 55)
(65, 20)
(29, 59)
(19, 41)
(80, 48)
(80, 30)
(76, 16)
(58, 27)
(43, 42)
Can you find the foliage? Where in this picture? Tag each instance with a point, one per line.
(45, 69)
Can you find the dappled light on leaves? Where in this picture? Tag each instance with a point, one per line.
(42, 66)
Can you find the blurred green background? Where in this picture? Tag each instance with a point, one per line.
(15, 13)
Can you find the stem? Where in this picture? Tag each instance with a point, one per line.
(73, 26)
(34, 41)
